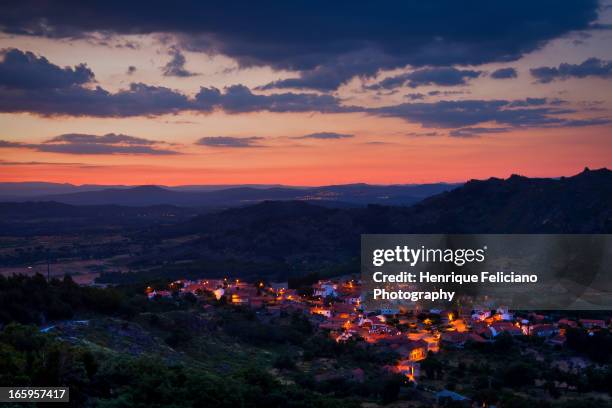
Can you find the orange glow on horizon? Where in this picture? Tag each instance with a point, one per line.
(401, 160)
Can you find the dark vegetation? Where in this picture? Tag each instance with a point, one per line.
(502, 373)
(114, 368)
(33, 300)
(29, 358)
(53, 218)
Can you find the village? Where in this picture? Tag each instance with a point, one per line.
(335, 308)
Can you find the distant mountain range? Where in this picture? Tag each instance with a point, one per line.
(40, 188)
(219, 196)
(294, 237)
(577, 204)
(287, 237)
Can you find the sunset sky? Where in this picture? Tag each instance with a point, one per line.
(303, 93)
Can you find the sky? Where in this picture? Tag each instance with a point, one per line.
(303, 93)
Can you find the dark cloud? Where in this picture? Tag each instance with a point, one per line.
(504, 73)
(176, 66)
(145, 100)
(465, 113)
(441, 76)
(139, 99)
(319, 37)
(587, 122)
(33, 84)
(376, 143)
(601, 26)
(37, 163)
(447, 93)
(327, 77)
(77, 143)
(592, 67)
(95, 148)
(9, 144)
(25, 70)
(479, 131)
(325, 135)
(240, 99)
(230, 141)
(533, 102)
(415, 96)
(107, 139)
(476, 131)
(423, 134)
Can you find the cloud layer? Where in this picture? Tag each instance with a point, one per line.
(24, 70)
(328, 43)
(440, 76)
(530, 112)
(592, 67)
(504, 73)
(29, 83)
(176, 66)
(67, 91)
(84, 144)
(325, 136)
(230, 141)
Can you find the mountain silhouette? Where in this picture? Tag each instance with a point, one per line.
(189, 196)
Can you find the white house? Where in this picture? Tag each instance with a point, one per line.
(325, 289)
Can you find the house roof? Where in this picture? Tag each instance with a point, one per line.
(406, 349)
(567, 322)
(453, 337)
(595, 322)
(542, 328)
(396, 339)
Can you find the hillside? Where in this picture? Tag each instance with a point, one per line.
(286, 238)
(53, 218)
(578, 204)
(278, 239)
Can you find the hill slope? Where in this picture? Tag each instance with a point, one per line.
(298, 237)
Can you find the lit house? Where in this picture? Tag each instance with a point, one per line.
(410, 369)
(325, 289)
(480, 315)
(504, 327)
(542, 330)
(413, 351)
(159, 293)
(239, 300)
(323, 311)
